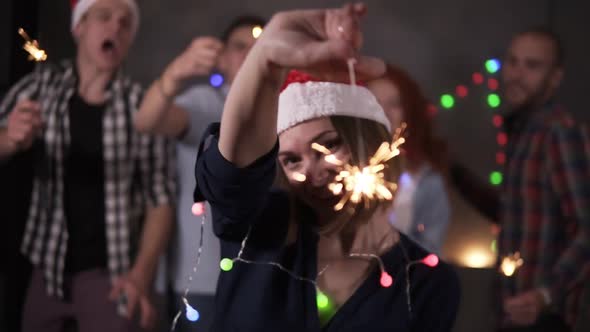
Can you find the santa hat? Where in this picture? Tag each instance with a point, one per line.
(81, 7)
(304, 98)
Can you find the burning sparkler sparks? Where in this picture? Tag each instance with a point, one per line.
(32, 47)
(510, 264)
(364, 182)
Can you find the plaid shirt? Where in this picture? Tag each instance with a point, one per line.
(546, 203)
(138, 170)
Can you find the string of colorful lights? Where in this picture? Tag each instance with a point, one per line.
(322, 300)
(493, 101)
(198, 209)
(512, 262)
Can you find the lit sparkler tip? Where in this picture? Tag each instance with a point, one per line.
(364, 183)
(24, 34)
(510, 264)
(32, 47)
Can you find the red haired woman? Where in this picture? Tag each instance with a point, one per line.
(421, 205)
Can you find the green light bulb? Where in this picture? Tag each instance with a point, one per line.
(322, 300)
(447, 101)
(493, 100)
(226, 264)
(496, 178)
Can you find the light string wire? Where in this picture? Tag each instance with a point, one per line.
(191, 276)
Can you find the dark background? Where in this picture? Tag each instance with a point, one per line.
(441, 43)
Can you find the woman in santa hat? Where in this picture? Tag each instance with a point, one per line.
(295, 261)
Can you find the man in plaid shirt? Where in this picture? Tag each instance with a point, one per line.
(544, 206)
(100, 213)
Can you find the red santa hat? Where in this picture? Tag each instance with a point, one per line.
(304, 98)
(81, 7)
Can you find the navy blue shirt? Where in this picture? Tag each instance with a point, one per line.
(264, 298)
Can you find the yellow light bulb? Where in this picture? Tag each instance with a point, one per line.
(256, 31)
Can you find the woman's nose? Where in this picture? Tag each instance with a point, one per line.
(319, 172)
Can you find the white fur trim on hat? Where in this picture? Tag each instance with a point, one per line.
(300, 102)
(82, 6)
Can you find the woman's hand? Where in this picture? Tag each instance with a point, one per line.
(319, 42)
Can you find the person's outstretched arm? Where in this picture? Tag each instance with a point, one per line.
(158, 114)
(318, 41)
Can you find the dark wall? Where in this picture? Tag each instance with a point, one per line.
(571, 21)
(5, 36)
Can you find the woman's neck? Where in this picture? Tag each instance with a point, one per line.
(374, 236)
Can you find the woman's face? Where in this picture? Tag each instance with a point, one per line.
(300, 161)
(389, 98)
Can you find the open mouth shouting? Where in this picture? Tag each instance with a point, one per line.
(109, 48)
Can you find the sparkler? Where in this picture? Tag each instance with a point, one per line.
(364, 182)
(510, 264)
(32, 47)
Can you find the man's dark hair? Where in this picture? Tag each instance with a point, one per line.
(242, 21)
(551, 35)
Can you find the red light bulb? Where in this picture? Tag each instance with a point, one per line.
(493, 84)
(502, 138)
(461, 91)
(430, 260)
(198, 209)
(477, 78)
(497, 120)
(386, 279)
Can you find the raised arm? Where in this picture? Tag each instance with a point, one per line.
(158, 114)
(317, 41)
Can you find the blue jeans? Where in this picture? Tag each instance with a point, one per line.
(204, 304)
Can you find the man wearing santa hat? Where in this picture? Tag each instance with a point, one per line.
(100, 212)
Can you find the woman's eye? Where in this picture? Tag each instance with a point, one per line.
(290, 162)
(333, 145)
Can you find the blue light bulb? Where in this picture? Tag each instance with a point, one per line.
(216, 80)
(493, 65)
(192, 314)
